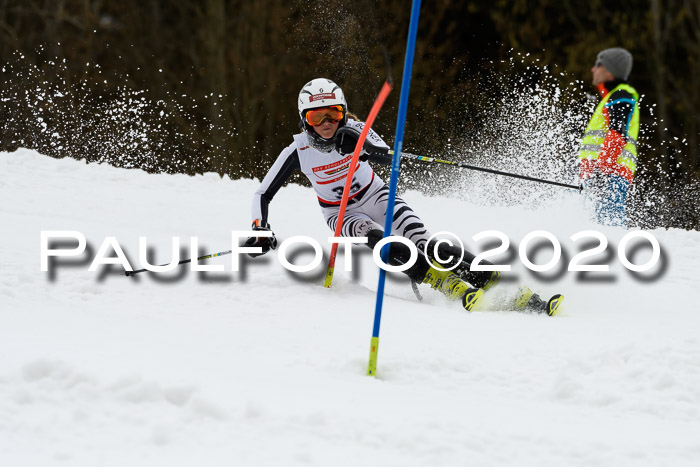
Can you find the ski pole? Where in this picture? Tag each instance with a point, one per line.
(406, 155)
(212, 255)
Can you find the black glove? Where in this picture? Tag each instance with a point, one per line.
(346, 139)
(266, 243)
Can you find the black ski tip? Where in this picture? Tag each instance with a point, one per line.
(471, 298)
(554, 304)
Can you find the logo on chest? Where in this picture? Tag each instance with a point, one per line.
(329, 173)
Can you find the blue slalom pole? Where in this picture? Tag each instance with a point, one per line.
(395, 167)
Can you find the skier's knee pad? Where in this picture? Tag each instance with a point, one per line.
(362, 227)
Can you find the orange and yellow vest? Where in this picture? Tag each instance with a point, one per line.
(598, 127)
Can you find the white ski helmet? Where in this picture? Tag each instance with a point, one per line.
(320, 92)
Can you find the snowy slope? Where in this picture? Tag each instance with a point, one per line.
(267, 368)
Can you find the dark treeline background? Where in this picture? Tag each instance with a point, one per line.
(211, 85)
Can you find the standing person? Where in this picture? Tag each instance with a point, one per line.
(323, 111)
(608, 155)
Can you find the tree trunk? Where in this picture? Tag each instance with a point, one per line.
(214, 32)
(659, 78)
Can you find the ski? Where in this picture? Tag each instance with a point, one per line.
(527, 300)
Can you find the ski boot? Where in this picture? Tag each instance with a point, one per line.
(527, 300)
(481, 279)
(453, 287)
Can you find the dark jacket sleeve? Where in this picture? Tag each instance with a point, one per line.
(283, 168)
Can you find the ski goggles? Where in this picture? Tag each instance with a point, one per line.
(334, 113)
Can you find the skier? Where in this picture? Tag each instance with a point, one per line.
(608, 154)
(323, 151)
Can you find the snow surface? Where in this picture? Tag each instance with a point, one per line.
(267, 368)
